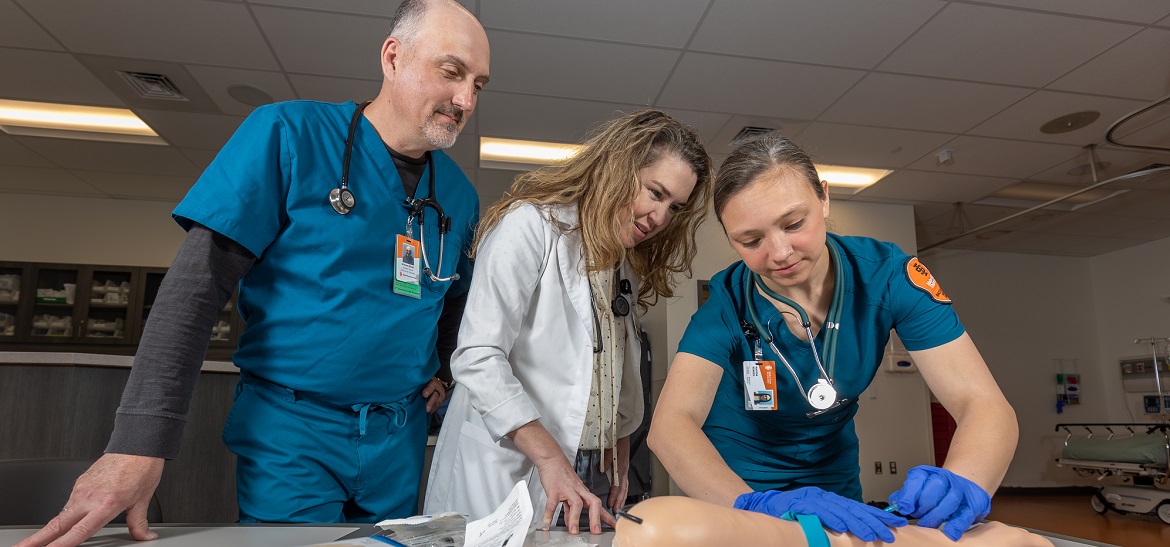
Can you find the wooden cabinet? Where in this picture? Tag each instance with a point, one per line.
(43, 306)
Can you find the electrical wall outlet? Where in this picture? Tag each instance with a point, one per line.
(877, 468)
(893, 468)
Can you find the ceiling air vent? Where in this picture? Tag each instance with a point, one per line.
(152, 86)
(751, 133)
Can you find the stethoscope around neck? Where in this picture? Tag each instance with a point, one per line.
(343, 201)
(822, 395)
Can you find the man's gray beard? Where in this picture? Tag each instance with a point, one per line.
(440, 135)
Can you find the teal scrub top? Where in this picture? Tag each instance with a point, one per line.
(321, 316)
(783, 449)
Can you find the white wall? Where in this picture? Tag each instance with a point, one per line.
(1026, 311)
(894, 421)
(87, 231)
(1128, 287)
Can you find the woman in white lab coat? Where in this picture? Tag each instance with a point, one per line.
(547, 373)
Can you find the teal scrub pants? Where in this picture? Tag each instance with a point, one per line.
(300, 460)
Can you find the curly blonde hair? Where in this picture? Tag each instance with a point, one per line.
(602, 180)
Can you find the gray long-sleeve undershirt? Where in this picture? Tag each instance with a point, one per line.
(200, 282)
(158, 394)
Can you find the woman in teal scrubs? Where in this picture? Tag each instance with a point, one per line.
(755, 416)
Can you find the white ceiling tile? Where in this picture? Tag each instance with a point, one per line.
(334, 90)
(926, 104)
(1135, 203)
(17, 29)
(199, 158)
(1079, 224)
(924, 212)
(705, 124)
(515, 116)
(215, 81)
(1156, 134)
(998, 157)
(1024, 119)
(1020, 242)
(862, 146)
(191, 130)
(1120, 162)
(115, 157)
(1151, 180)
(863, 33)
(50, 77)
(920, 186)
(1138, 68)
(191, 31)
(1135, 11)
(378, 8)
(578, 69)
(327, 44)
(971, 42)
(14, 153)
(39, 180)
(1136, 121)
(646, 23)
(721, 143)
(130, 186)
(765, 88)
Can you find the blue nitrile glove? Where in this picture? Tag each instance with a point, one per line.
(934, 496)
(837, 513)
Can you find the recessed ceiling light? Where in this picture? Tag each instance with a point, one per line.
(1070, 122)
(75, 122)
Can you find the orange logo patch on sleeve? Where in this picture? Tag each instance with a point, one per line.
(920, 277)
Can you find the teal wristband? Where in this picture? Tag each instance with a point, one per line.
(811, 526)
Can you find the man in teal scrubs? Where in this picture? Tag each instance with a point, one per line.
(339, 358)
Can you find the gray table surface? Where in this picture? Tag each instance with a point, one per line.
(257, 535)
(287, 535)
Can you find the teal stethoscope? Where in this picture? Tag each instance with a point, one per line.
(822, 396)
(343, 201)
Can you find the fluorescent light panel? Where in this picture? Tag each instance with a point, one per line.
(520, 154)
(850, 179)
(74, 122)
(512, 153)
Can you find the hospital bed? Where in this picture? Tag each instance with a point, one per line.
(1136, 454)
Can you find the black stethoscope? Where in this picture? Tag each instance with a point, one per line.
(822, 396)
(342, 200)
(619, 305)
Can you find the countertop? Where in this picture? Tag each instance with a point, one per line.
(92, 360)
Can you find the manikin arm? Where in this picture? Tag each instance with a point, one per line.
(687, 522)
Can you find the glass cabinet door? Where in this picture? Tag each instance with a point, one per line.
(148, 290)
(109, 302)
(55, 303)
(12, 278)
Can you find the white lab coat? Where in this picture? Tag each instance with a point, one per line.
(525, 353)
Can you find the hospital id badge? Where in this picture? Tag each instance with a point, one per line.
(759, 385)
(406, 267)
